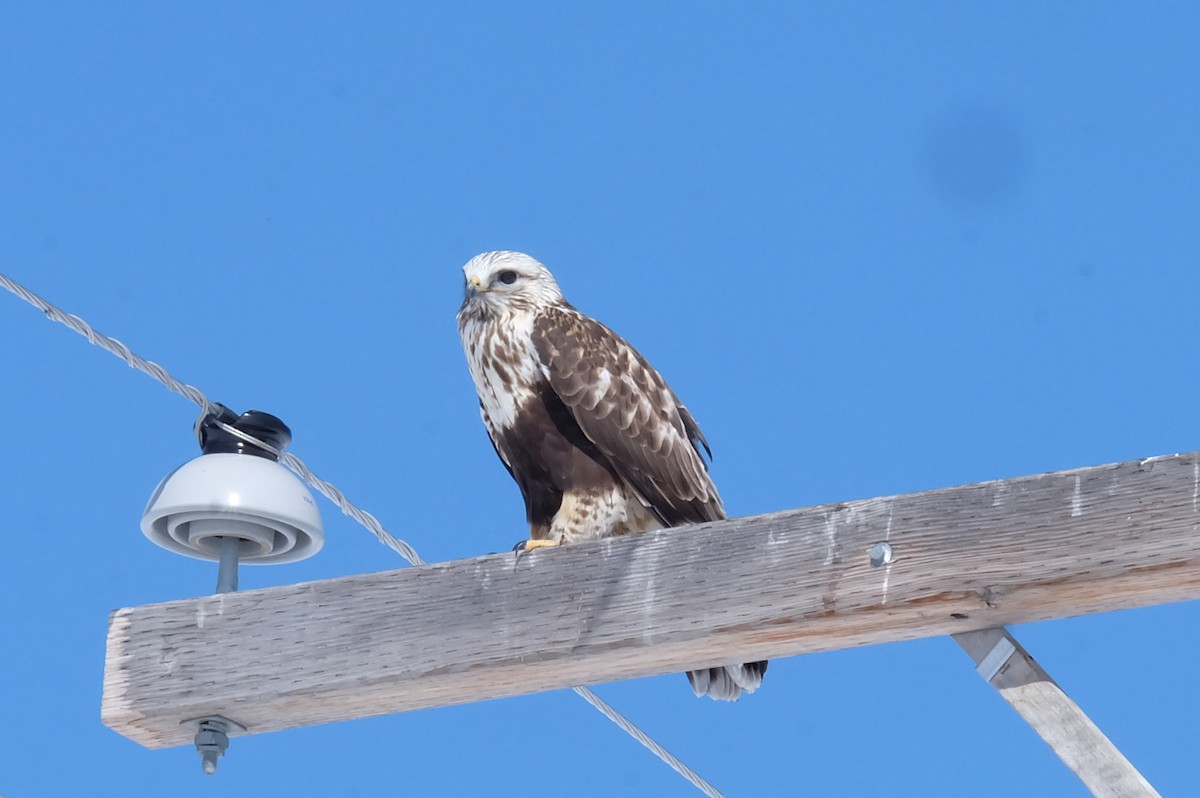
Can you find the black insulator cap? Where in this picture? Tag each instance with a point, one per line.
(262, 426)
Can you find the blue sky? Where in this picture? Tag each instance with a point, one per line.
(876, 249)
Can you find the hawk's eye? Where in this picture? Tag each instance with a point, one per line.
(508, 278)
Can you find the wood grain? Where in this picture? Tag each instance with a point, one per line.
(965, 558)
(1057, 719)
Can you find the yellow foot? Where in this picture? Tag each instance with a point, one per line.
(529, 545)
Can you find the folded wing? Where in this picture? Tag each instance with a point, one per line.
(630, 413)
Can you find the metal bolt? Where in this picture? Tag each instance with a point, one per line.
(881, 554)
(212, 738)
(227, 567)
(211, 742)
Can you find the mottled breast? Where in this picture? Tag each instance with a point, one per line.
(504, 365)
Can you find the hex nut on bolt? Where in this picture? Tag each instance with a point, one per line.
(212, 739)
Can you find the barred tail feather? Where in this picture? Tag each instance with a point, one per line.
(727, 683)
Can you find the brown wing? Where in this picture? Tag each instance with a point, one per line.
(628, 411)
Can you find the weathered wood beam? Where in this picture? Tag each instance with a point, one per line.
(1078, 742)
(963, 558)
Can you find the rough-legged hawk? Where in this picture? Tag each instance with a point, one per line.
(594, 437)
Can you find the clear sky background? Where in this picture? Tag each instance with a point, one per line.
(875, 249)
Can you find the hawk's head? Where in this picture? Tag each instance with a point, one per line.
(507, 282)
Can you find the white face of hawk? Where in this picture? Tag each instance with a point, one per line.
(501, 283)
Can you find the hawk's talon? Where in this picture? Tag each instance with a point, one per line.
(529, 545)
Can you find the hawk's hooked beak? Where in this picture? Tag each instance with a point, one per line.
(473, 287)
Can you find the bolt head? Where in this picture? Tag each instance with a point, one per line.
(882, 554)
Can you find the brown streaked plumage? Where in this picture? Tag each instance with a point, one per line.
(594, 437)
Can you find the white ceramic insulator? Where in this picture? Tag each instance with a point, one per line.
(256, 500)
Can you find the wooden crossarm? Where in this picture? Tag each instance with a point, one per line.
(963, 558)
